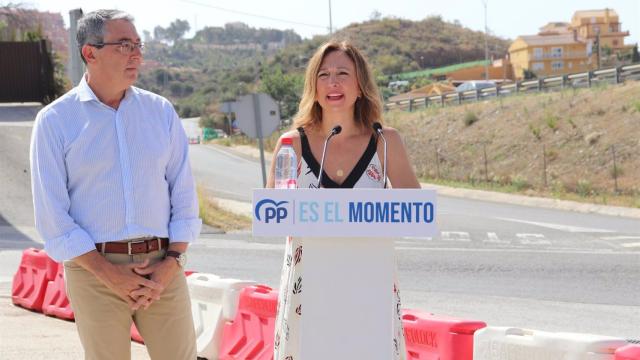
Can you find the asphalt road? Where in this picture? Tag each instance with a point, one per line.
(507, 265)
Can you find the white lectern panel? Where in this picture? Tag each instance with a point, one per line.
(347, 299)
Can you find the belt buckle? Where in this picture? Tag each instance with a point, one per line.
(133, 242)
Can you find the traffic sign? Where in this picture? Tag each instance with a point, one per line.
(258, 115)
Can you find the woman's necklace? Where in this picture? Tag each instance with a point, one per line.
(340, 172)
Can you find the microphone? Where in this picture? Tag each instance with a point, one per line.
(378, 128)
(335, 131)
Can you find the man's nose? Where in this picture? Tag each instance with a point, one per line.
(137, 52)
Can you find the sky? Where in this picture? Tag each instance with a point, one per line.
(506, 18)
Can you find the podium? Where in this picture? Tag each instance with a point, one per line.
(349, 261)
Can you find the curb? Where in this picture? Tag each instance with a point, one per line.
(483, 195)
(534, 201)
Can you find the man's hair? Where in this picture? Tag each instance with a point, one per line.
(91, 27)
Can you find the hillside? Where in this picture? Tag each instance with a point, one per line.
(397, 45)
(224, 62)
(573, 131)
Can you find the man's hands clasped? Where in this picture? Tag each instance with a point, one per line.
(141, 284)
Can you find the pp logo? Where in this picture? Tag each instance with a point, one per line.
(272, 210)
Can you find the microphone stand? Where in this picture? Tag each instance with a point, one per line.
(378, 128)
(335, 131)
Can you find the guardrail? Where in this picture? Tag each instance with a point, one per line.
(615, 75)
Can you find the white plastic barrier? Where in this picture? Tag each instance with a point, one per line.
(502, 343)
(214, 300)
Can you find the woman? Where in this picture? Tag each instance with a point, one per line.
(339, 90)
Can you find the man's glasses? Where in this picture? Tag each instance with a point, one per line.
(126, 47)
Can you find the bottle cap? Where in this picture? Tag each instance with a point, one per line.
(287, 141)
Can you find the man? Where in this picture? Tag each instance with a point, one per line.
(114, 199)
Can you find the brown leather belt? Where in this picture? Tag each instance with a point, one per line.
(133, 247)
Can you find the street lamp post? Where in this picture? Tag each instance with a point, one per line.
(486, 45)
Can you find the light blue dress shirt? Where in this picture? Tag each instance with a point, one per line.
(100, 174)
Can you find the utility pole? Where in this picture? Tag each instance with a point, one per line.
(486, 44)
(598, 48)
(330, 20)
(76, 66)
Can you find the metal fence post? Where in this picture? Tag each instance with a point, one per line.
(618, 74)
(540, 83)
(589, 77)
(615, 169)
(459, 98)
(477, 94)
(517, 87)
(544, 165)
(564, 81)
(410, 105)
(437, 161)
(486, 167)
(426, 102)
(442, 100)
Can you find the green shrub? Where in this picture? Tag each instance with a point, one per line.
(470, 117)
(535, 130)
(551, 121)
(616, 172)
(584, 188)
(520, 183)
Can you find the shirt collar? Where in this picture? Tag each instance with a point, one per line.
(86, 94)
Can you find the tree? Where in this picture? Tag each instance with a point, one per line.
(375, 15)
(283, 88)
(147, 36)
(177, 29)
(174, 32)
(159, 33)
(635, 57)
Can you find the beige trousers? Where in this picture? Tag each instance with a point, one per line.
(104, 320)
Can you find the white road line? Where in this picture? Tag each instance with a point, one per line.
(17, 123)
(631, 245)
(229, 154)
(460, 236)
(532, 239)
(521, 250)
(620, 238)
(568, 228)
(494, 239)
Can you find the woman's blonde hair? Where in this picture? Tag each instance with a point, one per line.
(367, 109)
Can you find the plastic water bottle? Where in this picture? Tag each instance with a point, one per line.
(286, 166)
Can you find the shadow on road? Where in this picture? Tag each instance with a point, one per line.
(12, 238)
(19, 112)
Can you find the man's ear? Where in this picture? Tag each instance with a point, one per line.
(88, 52)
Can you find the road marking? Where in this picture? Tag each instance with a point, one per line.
(620, 237)
(427, 238)
(568, 228)
(17, 123)
(630, 245)
(494, 239)
(460, 236)
(517, 250)
(532, 239)
(229, 154)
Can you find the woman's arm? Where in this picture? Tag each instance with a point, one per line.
(399, 169)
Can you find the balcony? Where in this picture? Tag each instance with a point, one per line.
(560, 56)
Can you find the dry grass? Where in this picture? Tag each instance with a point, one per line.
(575, 129)
(213, 215)
(240, 139)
